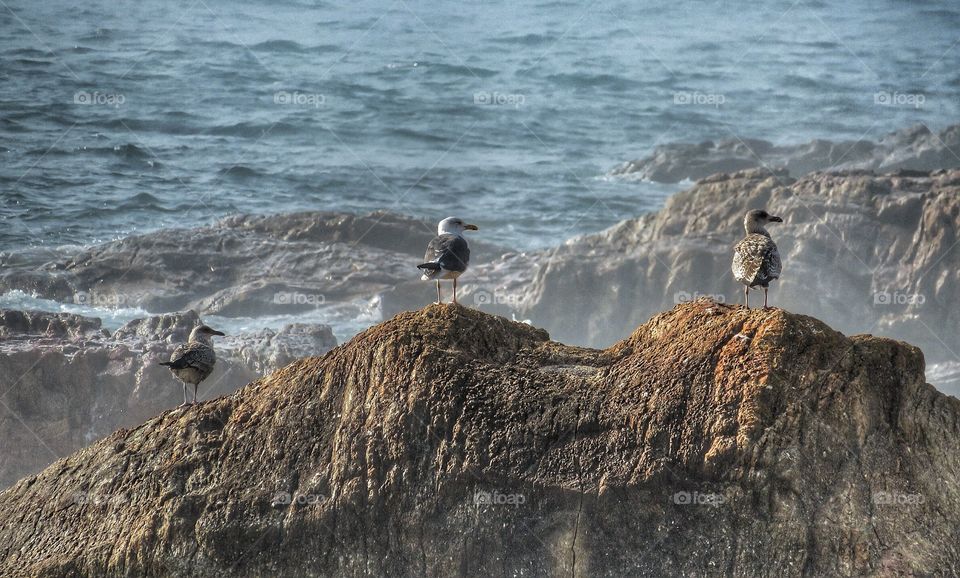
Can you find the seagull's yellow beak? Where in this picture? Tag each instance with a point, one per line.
(471, 228)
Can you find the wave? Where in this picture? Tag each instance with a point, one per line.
(101, 35)
(112, 318)
(131, 152)
(253, 130)
(291, 46)
(554, 4)
(805, 82)
(32, 62)
(942, 14)
(354, 90)
(127, 152)
(583, 80)
(11, 125)
(461, 70)
(27, 53)
(141, 199)
(417, 135)
(821, 44)
(174, 126)
(526, 40)
(240, 172)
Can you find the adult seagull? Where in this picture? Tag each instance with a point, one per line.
(447, 254)
(756, 260)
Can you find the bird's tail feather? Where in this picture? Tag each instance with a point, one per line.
(430, 270)
(167, 363)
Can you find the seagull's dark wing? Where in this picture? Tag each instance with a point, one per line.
(756, 260)
(448, 252)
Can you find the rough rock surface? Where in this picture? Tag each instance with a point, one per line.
(870, 253)
(448, 442)
(243, 265)
(65, 381)
(915, 148)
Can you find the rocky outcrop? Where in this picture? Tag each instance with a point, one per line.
(66, 382)
(915, 148)
(244, 266)
(871, 253)
(448, 442)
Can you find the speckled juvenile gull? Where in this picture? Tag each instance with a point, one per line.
(756, 260)
(448, 254)
(193, 361)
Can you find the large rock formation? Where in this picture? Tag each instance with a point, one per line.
(66, 382)
(915, 148)
(448, 442)
(870, 253)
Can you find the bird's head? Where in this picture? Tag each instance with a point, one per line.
(454, 226)
(756, 221)
(204, 333)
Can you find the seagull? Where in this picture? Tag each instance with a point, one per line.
(756, 260)
(447, 254)
(192, 362)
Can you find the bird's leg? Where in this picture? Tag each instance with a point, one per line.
(184, 393)
(765, 297)
(746, 297)
(454, 290)
(195, 393)
(439, 298)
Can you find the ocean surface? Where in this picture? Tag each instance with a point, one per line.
(121, 118)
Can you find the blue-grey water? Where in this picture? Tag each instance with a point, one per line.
(123, 117)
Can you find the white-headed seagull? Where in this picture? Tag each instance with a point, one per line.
(448, 254)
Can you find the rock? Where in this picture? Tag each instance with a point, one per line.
(448, 442)
(14, 324)
(267, 350)
(914, 148)
(870, 253)
(65, 382)
(167, 328)
(243, 266)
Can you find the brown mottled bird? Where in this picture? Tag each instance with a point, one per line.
(193, 361)
(756, 261)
